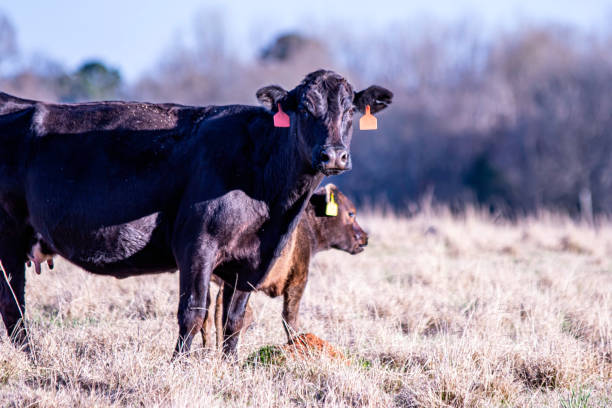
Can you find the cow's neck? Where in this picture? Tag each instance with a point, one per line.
(287, 183)
(287, 179)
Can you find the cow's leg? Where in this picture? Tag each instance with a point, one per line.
(292, 296)
(209, 322)
(12, 299)
(234, 305)
(248, 317)
(195, 266)
(12, 282)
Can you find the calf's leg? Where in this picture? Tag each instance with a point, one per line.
(219, 317)
(208, 326)
(292, 296)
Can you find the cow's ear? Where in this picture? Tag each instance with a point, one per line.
(376, 96)
(269, 96)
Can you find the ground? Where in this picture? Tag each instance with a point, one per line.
(438, 311)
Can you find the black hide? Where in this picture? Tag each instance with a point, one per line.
(122, 188)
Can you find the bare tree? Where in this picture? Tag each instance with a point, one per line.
(8, 39)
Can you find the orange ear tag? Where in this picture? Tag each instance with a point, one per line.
(281, 119)
(368, 121)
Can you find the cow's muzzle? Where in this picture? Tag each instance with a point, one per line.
(333, 160)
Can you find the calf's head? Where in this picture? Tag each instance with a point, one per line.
(321, 112)
(341, 231)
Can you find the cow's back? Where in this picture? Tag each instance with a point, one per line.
(133, 130)
(106, 116)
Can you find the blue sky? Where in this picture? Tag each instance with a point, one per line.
(132, 35)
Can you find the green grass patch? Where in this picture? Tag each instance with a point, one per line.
(265, 356)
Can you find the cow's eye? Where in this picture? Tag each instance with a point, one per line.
(351, 214)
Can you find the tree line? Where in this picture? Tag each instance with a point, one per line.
(514, 122)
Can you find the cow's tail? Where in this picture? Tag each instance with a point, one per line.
(15, 126)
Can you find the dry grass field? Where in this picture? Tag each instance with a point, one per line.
(438, 311)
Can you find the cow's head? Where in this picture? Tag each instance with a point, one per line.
(341, 231)
(321, 110)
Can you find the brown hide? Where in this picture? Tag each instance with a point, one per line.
(289, 275)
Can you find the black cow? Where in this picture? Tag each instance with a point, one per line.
(123, 189)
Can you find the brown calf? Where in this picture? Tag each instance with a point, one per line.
(316, 232)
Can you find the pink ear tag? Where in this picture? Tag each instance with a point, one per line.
(281, 119)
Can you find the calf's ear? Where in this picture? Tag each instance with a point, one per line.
(318, 201)
(329, 189)
(321, 198)
(376, 96)
(269, 96)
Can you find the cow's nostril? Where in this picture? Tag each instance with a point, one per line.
(343, 158)
(324, 157)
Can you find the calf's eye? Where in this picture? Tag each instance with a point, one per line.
(351, 214)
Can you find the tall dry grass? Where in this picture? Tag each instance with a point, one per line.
(439, 311)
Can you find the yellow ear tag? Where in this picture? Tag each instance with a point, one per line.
(368, 121)
(331, 209)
